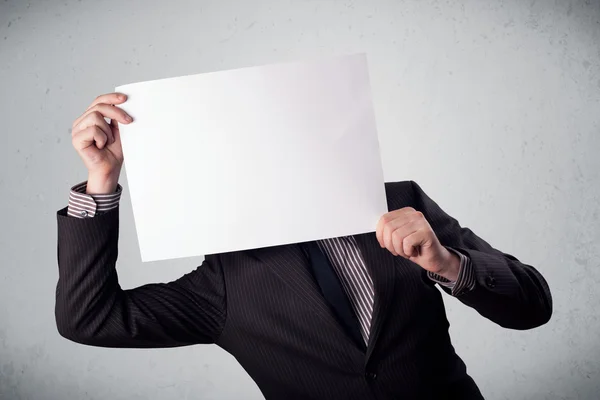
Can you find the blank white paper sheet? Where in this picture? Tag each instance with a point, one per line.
(252, 157)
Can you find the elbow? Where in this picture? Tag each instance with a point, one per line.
(73, 330)
(540, 311)
(85, 324)
(524, 322)
(544, 315)
(538, 305)
(530, 317)
(536, 318)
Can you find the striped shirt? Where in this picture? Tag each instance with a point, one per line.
(342, 252)
(83, 205)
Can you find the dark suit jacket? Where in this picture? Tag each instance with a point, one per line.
(264, 307)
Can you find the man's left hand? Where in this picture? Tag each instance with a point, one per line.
(406, 232)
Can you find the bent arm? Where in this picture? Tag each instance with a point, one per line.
(504, 290)
(91, 308)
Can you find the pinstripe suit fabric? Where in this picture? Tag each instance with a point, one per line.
(264, 307)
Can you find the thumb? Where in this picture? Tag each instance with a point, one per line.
(115, 147)
(114, 126)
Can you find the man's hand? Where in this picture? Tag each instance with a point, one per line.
(99, 143)
(407, 233)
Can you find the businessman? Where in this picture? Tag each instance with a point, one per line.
(356, 317)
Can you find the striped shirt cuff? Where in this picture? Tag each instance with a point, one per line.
(466, 276)
(83, 205)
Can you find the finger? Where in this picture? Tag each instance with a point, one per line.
(90, 136)
(115, 130)
(393, 220)
(397, 239)
(388, 230)
(397, 223)
(107, 111)
(379, 228)
(95, 118)
(109, 98)
(404, 211)
(412, 243)
(387, 218)
(397, 236)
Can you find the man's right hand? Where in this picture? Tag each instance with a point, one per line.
(98, 142)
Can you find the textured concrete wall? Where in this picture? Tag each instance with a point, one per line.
(492, 106)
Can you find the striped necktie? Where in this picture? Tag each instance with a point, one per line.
(349, 265)
(333, 291)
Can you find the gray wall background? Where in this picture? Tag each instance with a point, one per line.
(492, 106)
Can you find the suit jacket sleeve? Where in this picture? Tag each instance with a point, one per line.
(91, 308)
(506, 291)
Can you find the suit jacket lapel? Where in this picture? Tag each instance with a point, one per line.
(290, 264)
(380, 263)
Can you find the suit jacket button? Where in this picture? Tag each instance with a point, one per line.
(490, 281)
(371, 376)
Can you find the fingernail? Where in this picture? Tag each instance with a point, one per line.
(128, 118)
